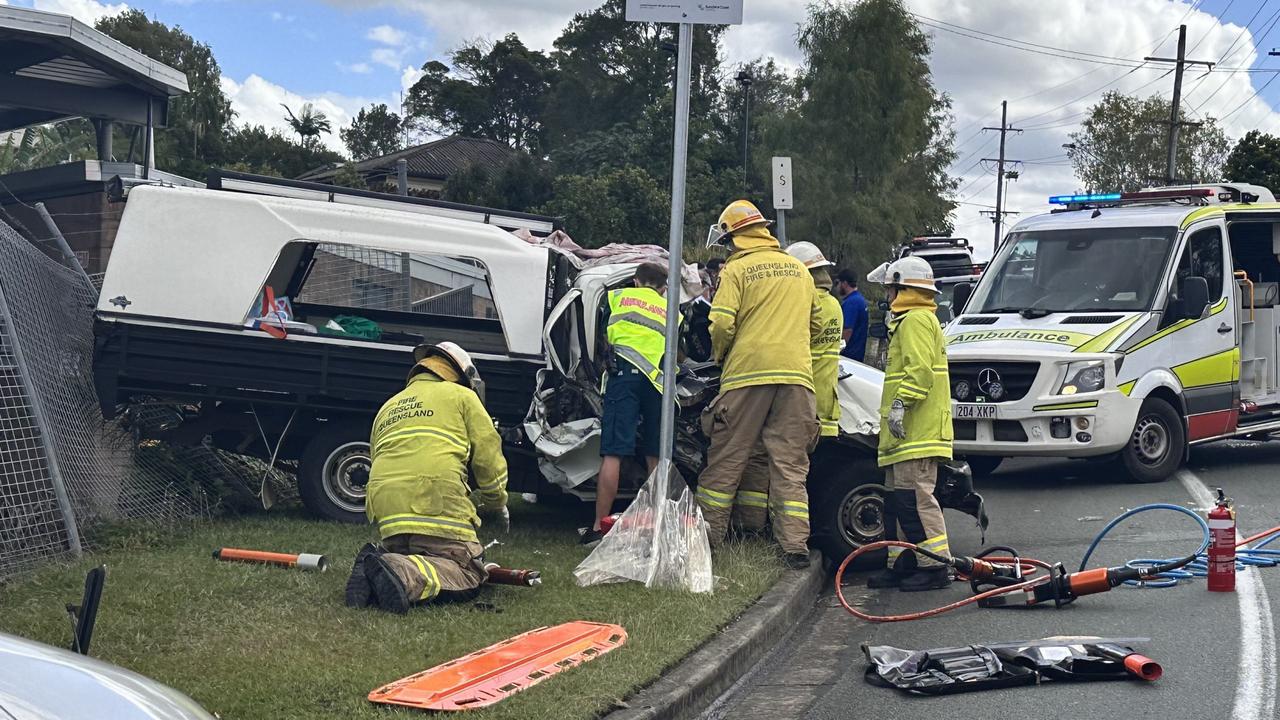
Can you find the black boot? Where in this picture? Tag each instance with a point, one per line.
(934, 578)
(796, 561)
(887, 578)
(388, 590)
(359, 592)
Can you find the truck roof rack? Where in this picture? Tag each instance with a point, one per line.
(230, 180)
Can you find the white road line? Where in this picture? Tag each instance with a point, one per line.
(1256, 683)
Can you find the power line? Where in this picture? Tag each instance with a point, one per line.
(1251, 97)
(1231, 48)
(938, 24)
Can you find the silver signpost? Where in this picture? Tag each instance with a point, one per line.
(721, 12)
(783, 200)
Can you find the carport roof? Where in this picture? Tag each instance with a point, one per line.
(55, 67)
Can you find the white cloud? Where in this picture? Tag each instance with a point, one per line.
(360, 68)
(408, 76)
(258, 101)
(86, 11)
(390, 57)
(387, 35)
(277, 16)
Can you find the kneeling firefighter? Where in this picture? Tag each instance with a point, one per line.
(915, 426)
(424, 441)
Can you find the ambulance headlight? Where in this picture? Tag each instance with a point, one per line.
(1083, 377)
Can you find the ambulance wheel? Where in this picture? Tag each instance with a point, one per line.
(983, 465)
(334, 471)
(1157, 445)
(846, 510)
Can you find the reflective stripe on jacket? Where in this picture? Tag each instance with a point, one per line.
(638, 329)
(423, 441)
(916, 374)
(824, 352)
(762, 319)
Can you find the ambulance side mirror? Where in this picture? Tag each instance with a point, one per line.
(960, 298)
(1193, 292)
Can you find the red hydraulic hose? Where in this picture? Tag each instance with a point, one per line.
(1018, 587)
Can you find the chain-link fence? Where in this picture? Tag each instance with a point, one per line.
(63, 469)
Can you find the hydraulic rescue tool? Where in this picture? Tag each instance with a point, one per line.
(1010, 580)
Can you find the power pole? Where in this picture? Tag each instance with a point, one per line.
(1179, 62)
(998, 215)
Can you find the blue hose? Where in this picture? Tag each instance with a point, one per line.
(1245, 557)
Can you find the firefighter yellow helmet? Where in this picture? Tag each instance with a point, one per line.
(738, 215)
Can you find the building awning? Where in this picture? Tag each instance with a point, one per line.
(55, 67)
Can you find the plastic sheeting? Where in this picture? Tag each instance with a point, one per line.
(661, 540)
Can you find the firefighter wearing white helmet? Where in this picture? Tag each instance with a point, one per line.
(763, 317)
(426, 442)
(751, 502)
(915, 426)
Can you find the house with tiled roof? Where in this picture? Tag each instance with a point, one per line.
(430, 165)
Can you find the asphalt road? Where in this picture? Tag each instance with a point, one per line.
(1218, 649)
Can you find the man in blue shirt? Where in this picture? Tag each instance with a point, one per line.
(855, 315)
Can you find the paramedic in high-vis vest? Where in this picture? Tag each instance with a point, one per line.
(751, 503)
(636, 331)
(915, 426)
(763, 317)
(426, 441)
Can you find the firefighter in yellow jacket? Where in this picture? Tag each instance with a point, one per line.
(426, 441)
(763, 317)
(750, 505)
(915, 426)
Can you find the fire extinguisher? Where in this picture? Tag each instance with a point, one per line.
(1222, 546)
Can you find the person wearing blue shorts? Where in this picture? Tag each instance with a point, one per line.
(633, 385)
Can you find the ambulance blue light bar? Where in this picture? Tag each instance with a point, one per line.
(1077, 199)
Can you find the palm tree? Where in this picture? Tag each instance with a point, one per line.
(309, 123)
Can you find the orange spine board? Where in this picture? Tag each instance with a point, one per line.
(490, 675)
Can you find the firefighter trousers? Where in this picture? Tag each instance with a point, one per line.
(751, 502)
(912, 513)
(434, 568)
(784, 418)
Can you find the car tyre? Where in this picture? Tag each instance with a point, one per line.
(983, 465)
(334, 471)
(846, 509)
(1157, 444)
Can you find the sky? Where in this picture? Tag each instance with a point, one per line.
(345, 54)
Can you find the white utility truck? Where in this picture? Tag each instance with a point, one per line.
(1132, 325)
(277, 316)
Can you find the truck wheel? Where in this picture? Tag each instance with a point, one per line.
(1157, 445)
(846, 510)
(334, 471)
(983, 465)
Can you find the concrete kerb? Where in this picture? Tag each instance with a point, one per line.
(690, 686)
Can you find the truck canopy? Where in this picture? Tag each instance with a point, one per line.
(204, 256)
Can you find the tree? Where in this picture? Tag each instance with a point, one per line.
(522, 184)
(198, 120)
(610, 72)
(1123, 145)
(44, 145)
(870, 133)
(496, 91)
(349, 176)
(1255, 159)
(621, 205)
(309, 124)
(375, 131)
(268, 152)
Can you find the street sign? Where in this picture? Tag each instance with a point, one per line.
(782, 185)
(707, 12)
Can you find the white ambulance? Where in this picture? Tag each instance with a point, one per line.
(1132, 325)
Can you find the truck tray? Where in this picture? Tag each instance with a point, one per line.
(490, 675)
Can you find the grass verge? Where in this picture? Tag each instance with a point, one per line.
(261, 642)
